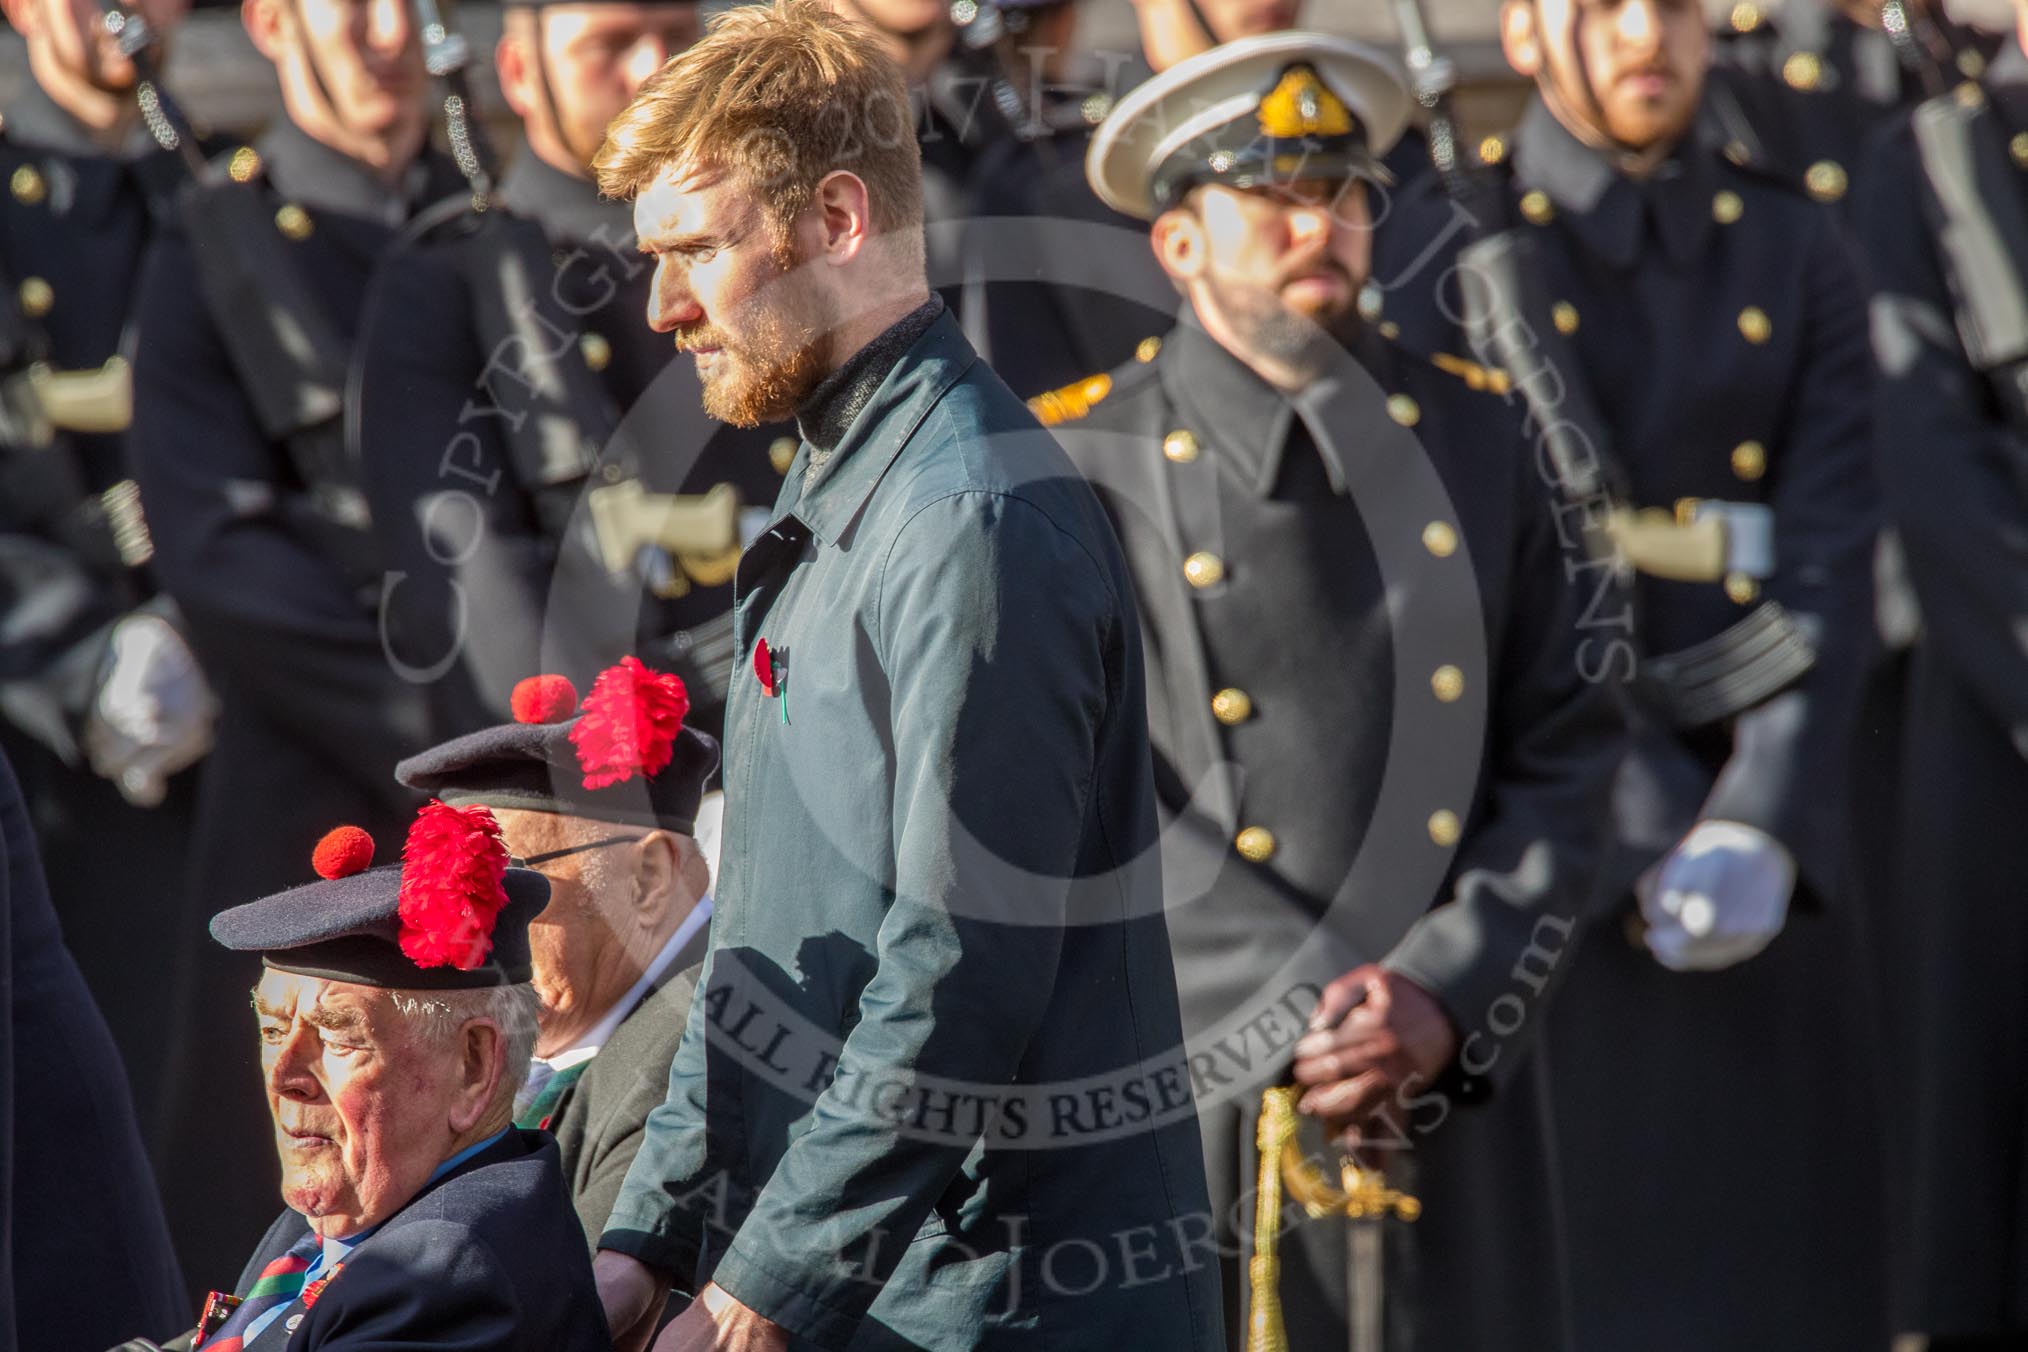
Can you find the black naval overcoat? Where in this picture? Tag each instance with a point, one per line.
(258, 538)
(1714, 318)
(1952, 477)
(1374, 741)
(74, 552)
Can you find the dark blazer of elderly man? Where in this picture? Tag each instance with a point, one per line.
(617, 950)
(931, 1094)
(395, 1020)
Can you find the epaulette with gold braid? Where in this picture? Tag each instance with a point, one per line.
(1477, 376)
(1071, 402)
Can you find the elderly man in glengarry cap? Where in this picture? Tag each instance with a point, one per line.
(395, 1021)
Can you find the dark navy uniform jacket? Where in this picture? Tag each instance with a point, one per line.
(487, 1258)
(1374, 742)
(1724, 359)
(501, 574)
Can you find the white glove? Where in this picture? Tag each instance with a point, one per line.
(1718, 898)
(153, 713)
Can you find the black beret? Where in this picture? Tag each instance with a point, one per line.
(535, 766)
(349, 929)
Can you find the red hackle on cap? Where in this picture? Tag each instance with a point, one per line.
(344, 851)
(629, 723)
(453, 884)
(543, 699)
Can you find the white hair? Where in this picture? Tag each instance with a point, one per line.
(512, 1008)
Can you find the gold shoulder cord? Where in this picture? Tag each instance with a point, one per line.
(1361, 1195)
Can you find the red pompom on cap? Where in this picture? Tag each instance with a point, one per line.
(543, 699)
(629, 723)
(453, 884)
(344, 851)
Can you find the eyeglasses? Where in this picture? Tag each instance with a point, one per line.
(534, 859)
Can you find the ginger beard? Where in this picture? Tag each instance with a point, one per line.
(764, 359)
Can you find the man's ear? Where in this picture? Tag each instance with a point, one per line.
(658, 873)
(1179, 244)
(482, 1064)
(262, 20)
(512, 65)
(1520, 39)
(844, 214)
(22, 17)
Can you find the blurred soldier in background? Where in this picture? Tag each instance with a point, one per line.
(100, 699)
(498, 498)
(1711, 312)
(1308, 510)
(246, 320)
(1951, 435)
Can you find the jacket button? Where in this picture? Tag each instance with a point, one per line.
(1803, 70)
(1232, 706)
(245, 163)
(1742, 589)
(1749, 460)
(1564, 315)
(1256, 844)
(1536, 207)
(1404, 410)
(1203, 569)
(1440, 538)
(2018, 148)
(27, 185)
(1147, 349)
(1727, 206)
(1180, 446)
(1754, 325)
(1825, 180)
(36, 296)
(1447, 683)
(782, 453)
(1444, 827)
(293, 222)
(597, 350)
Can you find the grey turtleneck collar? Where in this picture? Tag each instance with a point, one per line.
(829, 412)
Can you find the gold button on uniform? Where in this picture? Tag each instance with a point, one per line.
(1741, 588)
(1564, 315)
(1754, 325)
(1749, 460)
(1535, 206)
(1727, 207)
(1745, 16)
(1803, 70)
(1444, 827)
(1447, 683)
(36, 297)
(245, 163)
(782, 453)
(1404, 410)
(1969, 95)
(1203, 569)
(1389, 330)
(1492, 150)
(1256, 844)
(27, 185)
(1180, 446)
(1232, 706)
(1825, 180)
(1147, 349)
(598, 353)
(293, 221)
(2019, 148)
(1440, 538)
(1972, 63)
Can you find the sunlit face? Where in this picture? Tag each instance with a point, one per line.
(1629, 70)
(80, 44)
(732, 296)
(364, 55)
(903, 18)
(361, 1100)
(579, 942)
(1279, 264)
(1231, 20)
(595, 57)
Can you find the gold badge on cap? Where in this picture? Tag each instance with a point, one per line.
(1301, 104)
